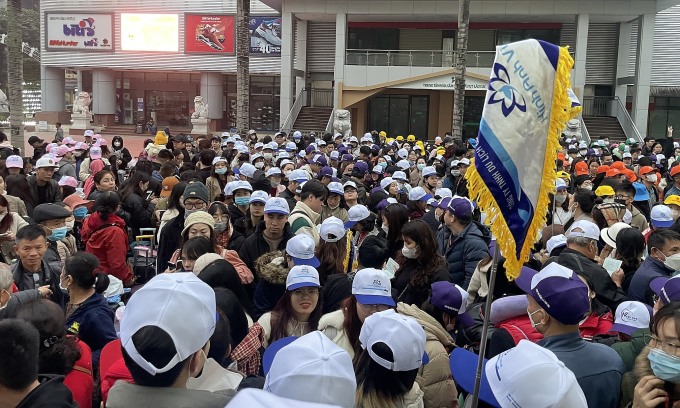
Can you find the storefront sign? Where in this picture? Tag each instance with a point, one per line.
(265, 35)
(149, 32)
(78, 31)
(444, 83)
(209, 34)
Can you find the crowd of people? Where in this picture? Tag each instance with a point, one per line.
(314, 270)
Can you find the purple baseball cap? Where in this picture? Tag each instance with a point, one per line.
(347, 157)
(326, 171)
(444, 203)
(451, 298)
(558, 290)
(320, 159)
(361, 167)
(460, 207)
(668, 289)
(311, 148)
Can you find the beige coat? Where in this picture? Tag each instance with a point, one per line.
(294, 328)
(214, 188)
(16, 205)
(301, 210)
(331, 324)
(478, 287)
(7, 247)
(435, 377)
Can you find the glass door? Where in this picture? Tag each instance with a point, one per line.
(399, 115)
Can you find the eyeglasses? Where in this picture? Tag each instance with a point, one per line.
(656, 343)
(373, 308)
(309, 292)
(623, 197)
(195, 206)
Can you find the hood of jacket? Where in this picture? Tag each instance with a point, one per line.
(311, 214)
(270, 267)
(94, 221)
(433, 330)
(642, 365)
(478, 230)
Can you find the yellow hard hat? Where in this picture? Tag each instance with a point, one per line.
(400, 138)
(604, 191)
(382, 134)
(441, 151)
(389, 140)
(411, 138)
(672, 200)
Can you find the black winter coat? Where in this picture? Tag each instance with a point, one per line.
(141, 213)
(255, 245)
(171, 236)
(464, 252)
(416, 295)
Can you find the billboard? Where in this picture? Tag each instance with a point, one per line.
(78, 31)
(149, 32)
(265, 35)
(209, 34)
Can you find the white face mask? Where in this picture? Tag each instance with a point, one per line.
(287, 172)
(455, 173)
(410, 253)
(609, 200)
(651, 178)
(530, 314)
(587, 187)
(559, 199)
(386, 229)
(259, 165)
(267, 156)
(69, 225)
(672, 262)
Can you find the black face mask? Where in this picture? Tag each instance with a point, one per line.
(620, 201)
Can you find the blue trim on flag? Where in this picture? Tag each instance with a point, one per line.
(517, 216)
(552, 52)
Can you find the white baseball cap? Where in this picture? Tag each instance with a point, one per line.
(402, 334)
(429, 171)
(46, 161)
(256, 398)
(661, 215)
(229, 188)
(385, 183)
(356, 213)
(353, 139)
(241, 185)
(312, 369)
(219, 159)
(14, 162)
(608, 235)
(273, 171)
(556, 241)
(301, 276)
(509, 379)
(464, 161)
(372, 287)
(443, 192)
(403, 153)
(301, 248)
(627, 155)
(89, 133)
(259, 197)
(399, 175)
(298, 175)
(178, 303)
(277, 205)
(247, 170)
(403, 164)
(259, 145)
(255, 157)
(584, 228)
(335, 155)
(332, 229)
(630, 316)
(335, 187)
(418, 194)
(349, 184)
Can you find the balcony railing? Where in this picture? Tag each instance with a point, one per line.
(416, 58)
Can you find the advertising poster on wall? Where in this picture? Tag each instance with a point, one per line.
(265, 35)
(209, 34)
(149, 32)
(79, 31)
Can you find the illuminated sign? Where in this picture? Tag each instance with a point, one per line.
(149, 32)
(210, 34)
(78, 31)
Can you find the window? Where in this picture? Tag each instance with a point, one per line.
(373, 38)
(386, 112)
(508, 36)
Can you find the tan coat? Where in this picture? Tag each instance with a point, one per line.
(331, 324)
(7, 247)
(435, 377)
(16, 205)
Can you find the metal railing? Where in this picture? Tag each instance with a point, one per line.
(329, 125)
(300, 101)
(612, 106)
(320, 98)
(585, 136)
(416, 58)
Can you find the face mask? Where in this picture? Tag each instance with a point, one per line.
(664, 365)
(531, 319)
(608, 200)
(77, 154)
(420, 167)
(651, 178)
(386, 229)
(259, 165)
(583, 152)
(242, 201)
(187, 213)
(80, 213)
(63, 289)
(410, 253)
(676, 214)
(220, 227)
(559, 199)
(274, 184)
(287, 172)
(672, 262)
(117, 144)
(455, 173)
(70, 224)
(587, 187)
(268, 156)
(58, 234)
(221, 171)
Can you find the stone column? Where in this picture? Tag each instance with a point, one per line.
(287, 97)
(643, 73)
(103, 97)
(339, 71)
(212, 91)
(579, 74)
(622, 65)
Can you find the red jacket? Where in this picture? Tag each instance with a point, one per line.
(108, 241)
(112, 368)
(596, 324)
(80, 380)
(520, 328)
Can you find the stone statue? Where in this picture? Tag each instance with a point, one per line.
(4, 105)
(342, 123)
(573, 129)
(81, 106)
(200, 109)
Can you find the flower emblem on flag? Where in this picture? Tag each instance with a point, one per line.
(504, 93)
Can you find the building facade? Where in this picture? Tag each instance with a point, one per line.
(150, 59)
(390, 62)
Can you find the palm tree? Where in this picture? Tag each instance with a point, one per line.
(15, 73)
(461, 60)
(242, 66)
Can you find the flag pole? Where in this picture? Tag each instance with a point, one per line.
(485, 327)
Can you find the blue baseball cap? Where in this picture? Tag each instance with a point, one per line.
(301, 248)
(372, 287)
(301, 276)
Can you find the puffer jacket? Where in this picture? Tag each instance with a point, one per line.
(641, 368)
(464, 252)
(255, 245)
(108, 241)
(629, 350)
(272, 281)
(434, 378)
(141, 213)
(332, 325)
